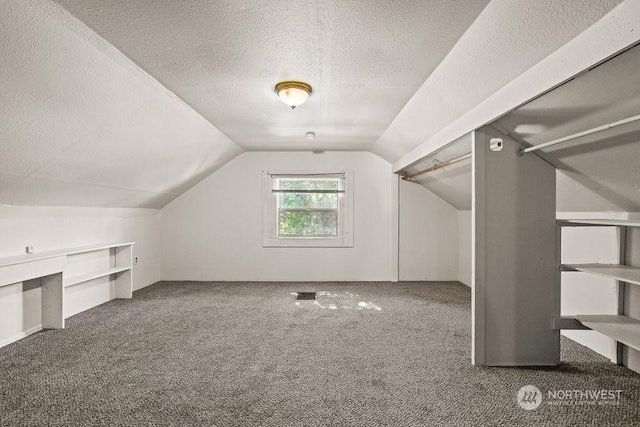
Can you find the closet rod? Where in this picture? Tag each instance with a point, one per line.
(439, 166)
(523, 151)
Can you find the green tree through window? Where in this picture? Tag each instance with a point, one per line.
(309, 208)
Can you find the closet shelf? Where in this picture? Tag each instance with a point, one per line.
(623, 273)
(599, 222)
(74, 280)
(621, 328)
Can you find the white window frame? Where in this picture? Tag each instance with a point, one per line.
(270, 236)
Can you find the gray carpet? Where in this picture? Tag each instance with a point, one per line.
(225, 354)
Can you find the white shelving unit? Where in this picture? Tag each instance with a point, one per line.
(119, 267)
(598, 222)
(623, 273)
(622, 329)
(80, 278)
(53, 268)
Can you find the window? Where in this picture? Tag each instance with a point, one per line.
(308, 209)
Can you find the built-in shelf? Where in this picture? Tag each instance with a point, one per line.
(51, 267)
(623, 273)
(20, 259)
(599, 222)
(74, 280)
(621, 328)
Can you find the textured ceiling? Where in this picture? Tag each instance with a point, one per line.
(364, 59)
(508, 38)
(84, 126)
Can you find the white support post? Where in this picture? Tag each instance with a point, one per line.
(515, 266)
(477, 251)
(124, 280)
(52, 302)
(394, 275)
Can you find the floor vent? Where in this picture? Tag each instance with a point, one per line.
(306, 295)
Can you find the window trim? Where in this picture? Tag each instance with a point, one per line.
(270, 227)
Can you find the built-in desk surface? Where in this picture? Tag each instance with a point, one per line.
(52, 268)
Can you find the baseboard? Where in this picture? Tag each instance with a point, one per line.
(21, 335)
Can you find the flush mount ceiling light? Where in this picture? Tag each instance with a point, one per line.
(293, 93)
(310, 135)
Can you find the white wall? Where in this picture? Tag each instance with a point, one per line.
(49, 228)
(464, 247)
(214, 231)
(428, 235)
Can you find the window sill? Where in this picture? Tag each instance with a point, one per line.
(318, 242)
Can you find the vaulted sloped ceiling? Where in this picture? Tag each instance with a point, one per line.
(128, 103)
(364, 59)
(508, 38)
(84, 126)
